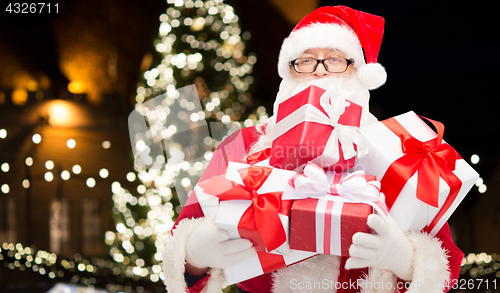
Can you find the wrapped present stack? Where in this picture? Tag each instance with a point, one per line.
(318, 126)
(323, 176)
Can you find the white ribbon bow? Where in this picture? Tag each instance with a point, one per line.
(334, 106)
(354, 188)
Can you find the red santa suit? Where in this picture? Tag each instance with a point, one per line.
(436, 264)
(436, 260)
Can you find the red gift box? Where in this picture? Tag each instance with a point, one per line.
(318, 126)
(325, 226)
(329, 207)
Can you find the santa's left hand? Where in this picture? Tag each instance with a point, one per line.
(387, 249)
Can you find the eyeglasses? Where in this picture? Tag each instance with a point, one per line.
(332, 65)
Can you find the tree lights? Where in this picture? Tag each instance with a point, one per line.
(200, 43)
(91, 273)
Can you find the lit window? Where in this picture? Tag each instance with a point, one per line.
(59, 226)
(7, 220)
(91, 226)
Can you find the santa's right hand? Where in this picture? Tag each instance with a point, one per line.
(210, 247)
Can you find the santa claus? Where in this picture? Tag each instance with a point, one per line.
(334, 48)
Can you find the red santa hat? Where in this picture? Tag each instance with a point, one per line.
(350, 31)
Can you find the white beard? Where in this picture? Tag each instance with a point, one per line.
(348, 87)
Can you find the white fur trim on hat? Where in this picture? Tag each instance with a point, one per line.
(323, 35)
(319, 35)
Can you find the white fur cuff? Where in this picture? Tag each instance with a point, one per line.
(430, 271)
(174, 260)
(313, 271)
(174, 256)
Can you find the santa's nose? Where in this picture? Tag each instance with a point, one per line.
(320, 70)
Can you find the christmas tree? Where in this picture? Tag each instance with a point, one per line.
(203, 79)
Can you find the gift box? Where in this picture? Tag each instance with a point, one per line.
(326, 226)
(262, 263)
(319, 126)
(329, 207)
(247, 203)
(423, 178)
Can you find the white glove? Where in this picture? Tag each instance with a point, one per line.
(209, 247)
(388, 249)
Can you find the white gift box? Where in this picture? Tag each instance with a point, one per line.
(228, 215)
(258, 265)
(385, 147)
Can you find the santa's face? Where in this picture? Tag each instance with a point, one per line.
(346, 83)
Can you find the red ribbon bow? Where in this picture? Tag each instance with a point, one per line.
(432, 159)
(261, 220)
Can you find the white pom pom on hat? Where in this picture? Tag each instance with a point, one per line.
(356, 33)
(373, 75)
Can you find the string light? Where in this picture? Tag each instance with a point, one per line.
(481, 264)
(76, 169)
(15, 256)
(37, 138)
(91, 182)
(104, 173)
(106, 144)
(71, 143)
(49, 165)
(474, 159)
(65, 175)
(90, 273)
(5, 188)
(48, 176)
(3, 133)
(131, 176)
